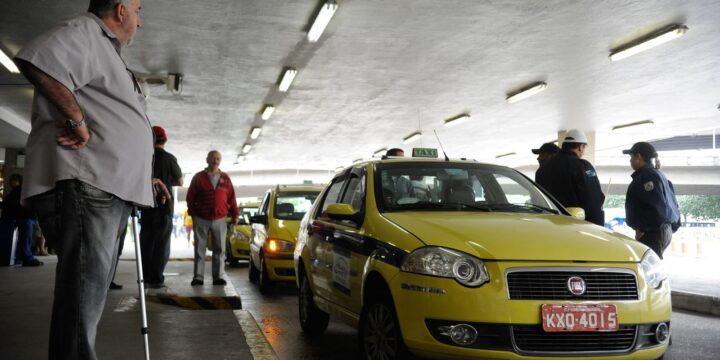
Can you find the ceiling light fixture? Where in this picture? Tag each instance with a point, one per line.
(321, 21)
(255, 132)
(412, 137)
(267, 112)
(287, 79)
(8, 63)
(357, 161)
(526, 92)
(505, 155)
(339, 169)
(380, 152)
(457, 120)
(246, 148)
(651, 40)
(633, 125)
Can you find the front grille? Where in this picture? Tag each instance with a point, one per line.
(532, 338)
(552, 285)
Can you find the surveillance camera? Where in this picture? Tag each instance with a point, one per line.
(174, 83)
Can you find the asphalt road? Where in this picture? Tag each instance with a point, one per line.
(695, 336)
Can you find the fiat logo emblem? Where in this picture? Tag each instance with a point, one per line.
(576, 285)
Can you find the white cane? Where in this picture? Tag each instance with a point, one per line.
(140, 281)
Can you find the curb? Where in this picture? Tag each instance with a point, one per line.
(704, 304)
(199, 302)
(259, 346)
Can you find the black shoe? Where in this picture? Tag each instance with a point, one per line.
(196, 282)
(154, 285)
(219, 282)
(114, 286)
(33, 262)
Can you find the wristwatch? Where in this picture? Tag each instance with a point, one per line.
(72, 125)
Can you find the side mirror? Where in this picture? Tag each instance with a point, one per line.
(259, 219)
(341, 212)
(576, 212)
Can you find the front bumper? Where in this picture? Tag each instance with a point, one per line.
(512, 329)
(280, 267)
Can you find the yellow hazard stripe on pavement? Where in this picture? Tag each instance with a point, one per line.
(199, 302)
(259, 346)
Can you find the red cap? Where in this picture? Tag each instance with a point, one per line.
(159, 133)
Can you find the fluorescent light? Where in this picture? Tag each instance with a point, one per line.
(267, 112)
(287, 79)
(457, 120)
(357, 161)
(321, 21)
(526, 92)
(8, 63)
(633, 125)
(505, 155)
(380, 152)
(255, 132)
(339, 169)
(246, 148)
(650, 41)
(412, 137)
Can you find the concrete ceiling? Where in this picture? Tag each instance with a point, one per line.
(384, 69)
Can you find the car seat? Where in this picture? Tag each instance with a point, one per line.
(285, 209)
(461, 192)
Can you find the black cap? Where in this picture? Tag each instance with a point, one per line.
(549, 148)
(643, 148)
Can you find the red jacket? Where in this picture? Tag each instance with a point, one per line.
(208, 203)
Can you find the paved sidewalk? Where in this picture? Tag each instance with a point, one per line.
(695, 283)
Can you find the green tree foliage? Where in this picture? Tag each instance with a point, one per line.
(701, 207)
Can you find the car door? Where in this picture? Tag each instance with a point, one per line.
(259, 231)
(319, 235)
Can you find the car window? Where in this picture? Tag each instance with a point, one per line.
(457, 187)
(333, 194)
(355, 192)
(293, 205)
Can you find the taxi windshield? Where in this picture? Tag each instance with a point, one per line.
(293, 205)
(457, 187)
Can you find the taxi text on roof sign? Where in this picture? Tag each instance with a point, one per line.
(425, 152)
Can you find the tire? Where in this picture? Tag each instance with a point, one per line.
(264, 281)
(313, 321)
(253, 273)
(380, 336)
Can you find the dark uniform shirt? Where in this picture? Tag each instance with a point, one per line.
(11, 208)
(166, 168)
(574, 182)
(650, 201)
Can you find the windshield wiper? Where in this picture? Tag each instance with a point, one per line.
(537, 208)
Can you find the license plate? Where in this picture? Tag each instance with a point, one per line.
(571, 317)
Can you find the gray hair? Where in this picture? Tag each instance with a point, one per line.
(104, 8)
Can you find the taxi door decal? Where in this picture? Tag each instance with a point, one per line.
(341, 269)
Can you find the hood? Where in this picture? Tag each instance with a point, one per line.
(514, 236)
(285, 230)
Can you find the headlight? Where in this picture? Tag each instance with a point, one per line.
(653, 269)
(275, 245)
(437, 261)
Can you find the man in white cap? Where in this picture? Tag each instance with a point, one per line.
(573, 180)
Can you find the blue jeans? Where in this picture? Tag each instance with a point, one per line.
(84, 223)
(23, 250)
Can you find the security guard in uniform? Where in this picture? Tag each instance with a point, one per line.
(572, 180)
(651, 208)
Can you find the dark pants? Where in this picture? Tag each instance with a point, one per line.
(23, 250)
(658, 239)
(84, 223)
(155, 231)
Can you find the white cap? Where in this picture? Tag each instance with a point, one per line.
(575, 136)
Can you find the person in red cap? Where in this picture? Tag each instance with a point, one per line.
(157, 222)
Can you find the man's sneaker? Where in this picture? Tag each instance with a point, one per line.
(114, 286)
(196, 282)
(219, 282)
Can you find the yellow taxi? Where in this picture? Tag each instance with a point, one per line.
(274, 233)
(238, 240)
(458, 259)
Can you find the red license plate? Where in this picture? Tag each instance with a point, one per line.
(571, 317)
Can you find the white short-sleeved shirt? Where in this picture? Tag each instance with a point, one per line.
(84, 55)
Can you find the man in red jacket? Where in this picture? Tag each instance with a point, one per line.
(210, 198)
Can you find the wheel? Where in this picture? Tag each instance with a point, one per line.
(312, 320)
(253, 273)
(264, 281)
(232, 261)
(380, 336)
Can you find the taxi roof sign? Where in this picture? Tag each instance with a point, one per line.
(425, 153)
